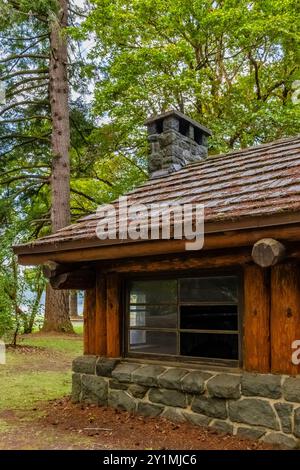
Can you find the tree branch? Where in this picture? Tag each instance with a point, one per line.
(105, 181)
(31, 79)
(20, 103)
(79, 131)
(31, 118)
(22, 136)
(23, 56)
(25, 72)
(34, 167)
(22, 177)
(80, 193)
(17, 146)
(41, 36)
(24, 90)
(256, 75)
(77, 13)
(16, 6)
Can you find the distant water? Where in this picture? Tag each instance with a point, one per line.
(28, 296)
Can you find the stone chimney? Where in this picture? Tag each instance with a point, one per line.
(175, 141)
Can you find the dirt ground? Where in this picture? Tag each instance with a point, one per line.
(63, 425)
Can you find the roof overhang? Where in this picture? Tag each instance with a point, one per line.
(218, 235)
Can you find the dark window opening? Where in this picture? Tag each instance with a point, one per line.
(209, 317)
(159, 126)
(184, 127)
(209, 289)
(198, 136)
(188, 317)
(209, 345)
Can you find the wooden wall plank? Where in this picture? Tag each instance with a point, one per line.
(285, 316)
(256, 351)
(100, 318)
(89, 321)
(113, 319)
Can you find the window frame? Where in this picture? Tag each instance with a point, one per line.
(235, 363)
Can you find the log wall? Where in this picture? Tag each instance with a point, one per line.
(256, 331)
(285, 316)
(271, 311)
(102, 317)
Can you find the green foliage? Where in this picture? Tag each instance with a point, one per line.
(229, 64)
(98, 172)
(18, 310)
(6, 319)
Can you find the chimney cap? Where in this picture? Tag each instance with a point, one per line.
(180, 116)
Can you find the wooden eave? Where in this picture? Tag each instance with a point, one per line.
(284, 227)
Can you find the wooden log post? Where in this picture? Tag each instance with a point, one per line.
(268, 252)
(100, 319)
(285, 316)
(113, 318)
(89, 313)
(256, 319)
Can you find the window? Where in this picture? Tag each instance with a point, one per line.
(191, 317)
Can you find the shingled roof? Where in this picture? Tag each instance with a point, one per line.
(255, 182)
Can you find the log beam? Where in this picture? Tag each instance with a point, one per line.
(268, 252)
(229, 239)
(199, 260)
(53, 269)
(81, 279)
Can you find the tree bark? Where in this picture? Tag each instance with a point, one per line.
(73, 304)
(57, 302)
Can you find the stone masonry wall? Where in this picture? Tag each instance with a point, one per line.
(264, 407)
(171, 151)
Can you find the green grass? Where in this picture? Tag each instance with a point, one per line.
(3, 426)
(24, 390)
(40, 375)
(63, 344)
(78, 329)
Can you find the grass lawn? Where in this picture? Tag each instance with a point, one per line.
(39, 370)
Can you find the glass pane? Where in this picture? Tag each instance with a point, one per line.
(153, 292)
(155, 316)
(209, 317)
(210, 345)
(209, 289)
(157, 342)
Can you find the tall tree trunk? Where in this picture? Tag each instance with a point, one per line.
(73, 304)
(57, 302)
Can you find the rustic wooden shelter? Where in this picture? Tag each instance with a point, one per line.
(230, 307)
